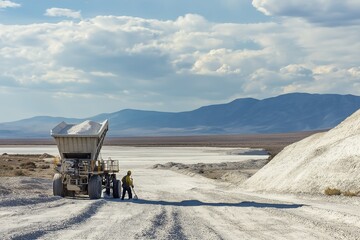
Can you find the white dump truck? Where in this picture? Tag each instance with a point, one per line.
(79, 169)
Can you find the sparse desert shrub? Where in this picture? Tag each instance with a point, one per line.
(332, 191)
(19, 173)
(44, 166)
(45, 155)
(7, 168)
(28, 165)
(350, 194)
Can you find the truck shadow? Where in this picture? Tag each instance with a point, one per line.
(195, 203)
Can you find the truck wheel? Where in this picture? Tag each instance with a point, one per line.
(107, 184)
(58, 188)
(95, 187)
(116, 189)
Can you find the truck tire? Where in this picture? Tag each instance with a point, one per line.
(107, 184)
(95, 187)
(116, 189)
(58, 188)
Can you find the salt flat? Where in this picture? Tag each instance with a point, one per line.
(171, 205)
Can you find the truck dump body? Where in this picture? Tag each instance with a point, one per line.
(83, 140)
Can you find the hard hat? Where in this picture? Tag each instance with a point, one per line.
(129, 172)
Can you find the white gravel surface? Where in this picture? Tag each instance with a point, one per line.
(172, 205)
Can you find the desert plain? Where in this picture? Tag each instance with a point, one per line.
(188, 188)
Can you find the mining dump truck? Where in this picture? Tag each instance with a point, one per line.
(79, 169)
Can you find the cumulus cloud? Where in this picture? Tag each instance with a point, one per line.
(8, 4)
(227, 61)
(129, 62)
(335, 12)
(62, 12)
(103, 74)
(296, 72)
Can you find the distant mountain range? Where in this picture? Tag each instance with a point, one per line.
(285, 113)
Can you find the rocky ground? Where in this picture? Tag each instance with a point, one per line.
(31, 165)
(233, 172)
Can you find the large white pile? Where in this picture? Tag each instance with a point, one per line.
(330, 159)
(85, 128)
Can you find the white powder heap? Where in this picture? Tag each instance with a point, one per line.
(85, 128)
(330, 159)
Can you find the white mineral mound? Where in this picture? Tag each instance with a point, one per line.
(84, 128)
(329, 159)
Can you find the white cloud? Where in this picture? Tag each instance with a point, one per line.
(296, 71)
(141, 63)
(227, 61)
(334, 12)
(62, 12)
(62, 95)
(103, 74)
(355, 72)
(64, 75)
(192, 23)
(9, 4)
(39, 73)
(325, 69)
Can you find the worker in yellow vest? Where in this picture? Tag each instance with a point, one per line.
(127, 184)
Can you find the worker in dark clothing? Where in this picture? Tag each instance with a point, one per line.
(127, 184)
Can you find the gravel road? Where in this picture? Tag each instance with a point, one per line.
(176, 206)
(173, 205)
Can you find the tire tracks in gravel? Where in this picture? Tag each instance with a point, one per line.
(164, 225)
(244, 231)
(335, 230)
(33, 209)
(326, 228)
(316, 219)
(114, 228)
(36, 231)
(222, 220)
(196, 227)
(176, 230)
(26, 201)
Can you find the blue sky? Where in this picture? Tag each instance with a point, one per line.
(80, 58)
